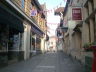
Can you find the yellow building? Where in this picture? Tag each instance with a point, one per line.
(27, 28)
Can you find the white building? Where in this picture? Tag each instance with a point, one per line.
(52, 44)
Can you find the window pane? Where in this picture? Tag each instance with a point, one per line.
(23, 3)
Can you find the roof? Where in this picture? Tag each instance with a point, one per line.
(58, 10)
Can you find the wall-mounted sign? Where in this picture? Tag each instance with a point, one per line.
(76, 14)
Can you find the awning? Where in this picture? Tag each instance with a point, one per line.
(13, 21)
(37, 31)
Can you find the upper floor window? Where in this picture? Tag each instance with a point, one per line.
(23, 3)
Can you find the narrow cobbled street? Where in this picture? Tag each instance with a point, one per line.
(47, 35)
(49, 62)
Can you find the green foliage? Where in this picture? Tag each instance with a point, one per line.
(87, 45)
(94, 43)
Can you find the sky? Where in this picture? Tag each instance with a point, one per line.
(52, 20)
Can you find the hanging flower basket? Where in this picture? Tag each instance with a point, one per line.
(93, 46)
(87, 47)
(90, 46)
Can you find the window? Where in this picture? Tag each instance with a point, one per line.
(23, 3)
(30, 6)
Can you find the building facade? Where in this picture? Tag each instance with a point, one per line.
(59, 31)
(52, 44)
(22, 33)
(73, 36)
(79, 15)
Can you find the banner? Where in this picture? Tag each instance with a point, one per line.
(76, 14)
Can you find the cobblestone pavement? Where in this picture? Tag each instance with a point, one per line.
(49, 62)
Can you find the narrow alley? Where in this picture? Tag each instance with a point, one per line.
(49, 62)
(47, 35)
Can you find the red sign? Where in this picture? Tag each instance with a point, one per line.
(76, 14)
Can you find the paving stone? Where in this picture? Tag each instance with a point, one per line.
(49, 62)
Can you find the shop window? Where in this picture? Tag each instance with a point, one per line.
(33, 43)
(21, 40)
(4, 32)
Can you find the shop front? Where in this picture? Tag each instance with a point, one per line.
(36, 41)
(11, 29)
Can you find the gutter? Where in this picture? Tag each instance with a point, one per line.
(22, 13)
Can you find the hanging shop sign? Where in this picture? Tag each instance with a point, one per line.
(76, 14)
(33, 12)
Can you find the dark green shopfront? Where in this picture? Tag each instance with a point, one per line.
(11, 29)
